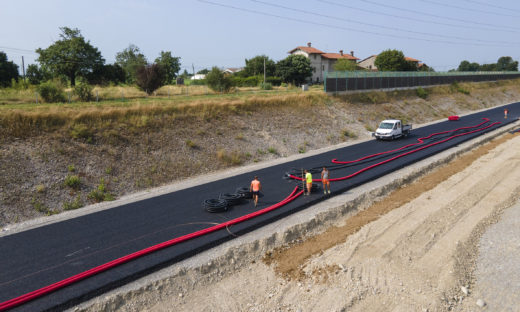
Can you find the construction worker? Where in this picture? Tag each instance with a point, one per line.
(325, 180)
(255, 188)
(308, 179)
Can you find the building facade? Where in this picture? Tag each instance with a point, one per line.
(321, 62)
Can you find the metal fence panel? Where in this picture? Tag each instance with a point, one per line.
(360, 80)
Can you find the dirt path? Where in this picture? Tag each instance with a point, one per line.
(413, 256)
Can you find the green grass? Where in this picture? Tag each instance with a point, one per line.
(72, 181)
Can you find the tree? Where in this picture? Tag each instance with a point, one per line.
(488, 67)
(34, 74)
(294, 69)
(170, 65)
(345, 65)
(130, 59)
(104, 74)
(8, 70)
(71, 56)
(150, 77)
(204, 71)
(255, 66)
(392, 60)
(217, 81)
(467, 66)
(506, 63)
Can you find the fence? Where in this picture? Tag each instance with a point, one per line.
(362, 80)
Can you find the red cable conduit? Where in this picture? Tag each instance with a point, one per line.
(104, 267)
(400, 155)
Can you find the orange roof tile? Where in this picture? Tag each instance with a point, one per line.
(339, 56)
(411, 59)
(309, 50)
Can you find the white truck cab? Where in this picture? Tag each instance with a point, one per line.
(391, 129)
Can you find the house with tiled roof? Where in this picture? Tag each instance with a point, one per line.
(321, 61)
(369, 62)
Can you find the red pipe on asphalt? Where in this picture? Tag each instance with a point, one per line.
(104, 267)
(111, 264)
(421, 141)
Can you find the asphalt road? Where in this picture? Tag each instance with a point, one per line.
(45, 255)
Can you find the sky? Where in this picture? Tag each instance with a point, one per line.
(223, 33)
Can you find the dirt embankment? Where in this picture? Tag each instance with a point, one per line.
(413, 251)
(58, 170)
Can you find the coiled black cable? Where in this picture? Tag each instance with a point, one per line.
(245, 192)
(231, 199)
(215, 205)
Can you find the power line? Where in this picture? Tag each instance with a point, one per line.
(378, 26)
(435, 15)
(337, 27)
(466, 8)
(420, 20)
(350, 7)
(491, 5)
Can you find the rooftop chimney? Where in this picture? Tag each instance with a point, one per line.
(309, 44)
(352, 53)
(341, 52)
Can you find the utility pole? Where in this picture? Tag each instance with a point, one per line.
(193, 68)
(264, 71)
(23, 68)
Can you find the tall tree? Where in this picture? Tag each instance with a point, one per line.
(130, 59)
(34, 74)
(392, 60)
(294, 69)
(71, 56)
(467, 66)
(8, 70)
(255, 66)
(345, 65)
(170, 65)
(506, 63)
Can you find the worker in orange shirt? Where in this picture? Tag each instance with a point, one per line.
(255, 188)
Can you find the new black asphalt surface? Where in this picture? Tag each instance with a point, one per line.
(45, 255)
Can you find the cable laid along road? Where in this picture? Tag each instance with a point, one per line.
(61, 264)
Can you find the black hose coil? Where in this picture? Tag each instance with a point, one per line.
(231, 199)
(215, 205)
(245, 192)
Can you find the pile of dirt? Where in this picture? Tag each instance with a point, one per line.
(52, 172)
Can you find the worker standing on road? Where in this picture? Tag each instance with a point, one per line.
(325, 180)
(505, 113)
(308, 179)
(255, 188)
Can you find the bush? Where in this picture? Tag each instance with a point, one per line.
(423, 94)
(72, 181)
(100, 193)
(218, 81)
(51, 92)
(84, 92)
(266, 86)
(75, 204)
(150, 78)
(275, 81)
